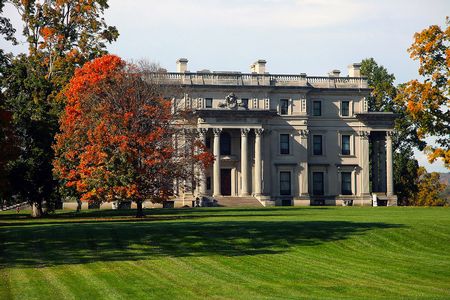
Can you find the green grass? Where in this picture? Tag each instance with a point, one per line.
(272, 253)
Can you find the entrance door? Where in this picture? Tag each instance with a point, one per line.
(225, 184)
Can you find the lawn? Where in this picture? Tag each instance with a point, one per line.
(268, 253)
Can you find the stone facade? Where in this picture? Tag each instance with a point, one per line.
(288, 139)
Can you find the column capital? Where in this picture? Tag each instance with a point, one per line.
(390, 133)
(202, 131)
(217, 131)
(189, 131)
(364, 134)
(259, 131)
(245, 131)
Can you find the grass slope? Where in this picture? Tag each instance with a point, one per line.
(271, 253)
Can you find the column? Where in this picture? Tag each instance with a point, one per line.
(244, 161)
(216, 166)
(202, 172)
(364, 162)
(389, 168)
(258, 162)
(304, 164)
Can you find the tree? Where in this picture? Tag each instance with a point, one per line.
(116, 140)
(429, 189)
(8, 141)
(382, 84)
(427, 103)
(61, 36)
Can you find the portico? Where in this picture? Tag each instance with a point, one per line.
(245, 165)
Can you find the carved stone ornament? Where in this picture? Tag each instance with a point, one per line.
(230, 102)
(364, 134)
(304, 133)
(217, 131)
(245, 131)
(259, 131)
(202, 132)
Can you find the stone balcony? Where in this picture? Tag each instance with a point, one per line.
(253, 79)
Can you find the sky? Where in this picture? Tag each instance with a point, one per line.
(293, 36)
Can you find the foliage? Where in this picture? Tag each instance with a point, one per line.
(64, 33)
(382, 84)
(405, 176)
(34, 125)
(61, 36)
(427, 103)
(6, 29)
(116, 140)
(429, 189)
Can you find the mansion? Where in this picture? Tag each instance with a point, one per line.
(288, 139)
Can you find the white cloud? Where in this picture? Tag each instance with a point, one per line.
(261, 14)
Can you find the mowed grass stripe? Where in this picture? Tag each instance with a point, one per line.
(272, 253)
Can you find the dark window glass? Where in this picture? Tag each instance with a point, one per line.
(318, 183)
(245, 102)
(208, 142)
(345, 108)
(346, 183)
(225, 143)
(284, 143)
(317, 108)
(345, 145)
(317, 145)
(208, 102)
(284, 103)
(285, 183)
(208, 183)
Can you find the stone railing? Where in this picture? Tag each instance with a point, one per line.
(239, 79)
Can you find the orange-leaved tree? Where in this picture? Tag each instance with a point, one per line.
(117, 136)
(428, 103)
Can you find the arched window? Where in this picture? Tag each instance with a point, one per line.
(225, 143)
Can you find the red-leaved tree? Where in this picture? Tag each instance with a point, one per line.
(117, 137)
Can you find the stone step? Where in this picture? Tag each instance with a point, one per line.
(238, 202)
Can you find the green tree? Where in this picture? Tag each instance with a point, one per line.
(62, 35)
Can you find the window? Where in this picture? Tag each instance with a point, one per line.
(317, 108)
(318, 183)
(208, 102)
(284, 143)
(317, 145)
(346, 183)
(345, 139)
(285, 183)
(345, 108)
(284, 104)
(208, 183)
(245, 102)
(225, 143)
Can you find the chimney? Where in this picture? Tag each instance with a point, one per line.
(334, 73)
(354, 70)
(259, 67)
(182, 65)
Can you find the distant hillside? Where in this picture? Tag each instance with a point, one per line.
(445, 178)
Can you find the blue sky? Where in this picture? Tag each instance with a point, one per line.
(294, 36)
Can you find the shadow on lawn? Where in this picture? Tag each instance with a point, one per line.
(47, 245)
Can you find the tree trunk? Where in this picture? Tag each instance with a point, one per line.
(37, 210)
(78, 205)
(140, 211)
